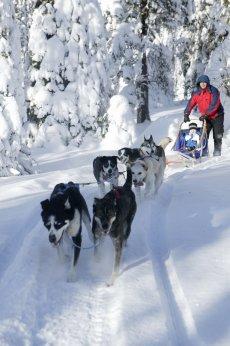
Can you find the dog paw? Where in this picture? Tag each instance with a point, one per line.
(109, 284)
(111, 280)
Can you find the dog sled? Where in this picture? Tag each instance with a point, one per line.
(191, 144)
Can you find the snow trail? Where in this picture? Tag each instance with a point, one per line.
(180, 321)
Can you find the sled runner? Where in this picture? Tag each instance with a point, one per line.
(192, 141)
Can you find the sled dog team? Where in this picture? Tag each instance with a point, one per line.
(113, 213)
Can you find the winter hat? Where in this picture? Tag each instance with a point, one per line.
(204, 79)
(192, 126)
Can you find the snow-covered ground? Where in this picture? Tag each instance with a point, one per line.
(174, 284)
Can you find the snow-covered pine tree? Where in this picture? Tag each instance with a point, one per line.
(69, 79)
(23, 15)
(124, 45)
(143, 87)
(14, 156)
(187, 33)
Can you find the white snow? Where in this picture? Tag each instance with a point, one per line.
(173, 287)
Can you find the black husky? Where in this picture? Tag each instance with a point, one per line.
(64, 212)
(113, 215)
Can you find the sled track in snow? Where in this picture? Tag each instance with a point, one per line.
(179, 319)
(14, 244)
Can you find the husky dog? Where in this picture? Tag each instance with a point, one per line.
(113, 216)
(129, 155)
(155, 160)
(139, 173)
(64, 212)
(105, 170)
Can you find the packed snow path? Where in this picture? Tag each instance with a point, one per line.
(173, 288)
(40, 307)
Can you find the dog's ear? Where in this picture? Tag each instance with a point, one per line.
(67, 204)
(151, 138)
(45, 204)
(144, 138)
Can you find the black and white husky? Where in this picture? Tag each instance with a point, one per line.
(129, 155)
(105, 170)
(113, 216)
(155, 161)
(64, 212)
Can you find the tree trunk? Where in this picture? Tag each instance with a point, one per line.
(143, 92)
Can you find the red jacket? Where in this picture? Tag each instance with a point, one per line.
(207, 100)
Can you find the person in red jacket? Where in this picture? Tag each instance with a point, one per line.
(207, 98)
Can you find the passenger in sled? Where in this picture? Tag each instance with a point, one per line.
(192, 139)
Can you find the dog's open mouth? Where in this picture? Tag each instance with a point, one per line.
(107, 176)
(57, 243)
(140, 183)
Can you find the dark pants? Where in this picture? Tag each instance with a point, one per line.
(217, 125)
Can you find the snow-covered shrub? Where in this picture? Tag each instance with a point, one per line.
(121, 130)
(69, 81)
(124, 46)
(14, 156)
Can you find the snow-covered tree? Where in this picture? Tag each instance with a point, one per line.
(124, 45)
(69, 69)
(23, 15)
(14, 156)
(187, 33)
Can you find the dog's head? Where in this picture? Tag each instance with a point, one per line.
(56, 216)
(128, 155)
(123, 155)
(139, 172)
(109, 166)
(104, 213)
(148, 147)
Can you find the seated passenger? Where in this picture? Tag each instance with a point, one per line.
(192, 139)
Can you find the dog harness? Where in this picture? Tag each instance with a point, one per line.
(117, 193)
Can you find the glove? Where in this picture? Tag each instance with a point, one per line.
(203, 117)
(186, 118)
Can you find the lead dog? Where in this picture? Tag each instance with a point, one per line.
(155, 160)
(105, 170)
(113, 216)
(64, 212)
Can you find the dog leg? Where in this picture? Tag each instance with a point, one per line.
(86, 220)
(101, 187)
(97, 249)
(159, 180)
(118, 244)
(97, 241)
(138, 194)
(72, 275)
(60, 252)
(150, 186)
